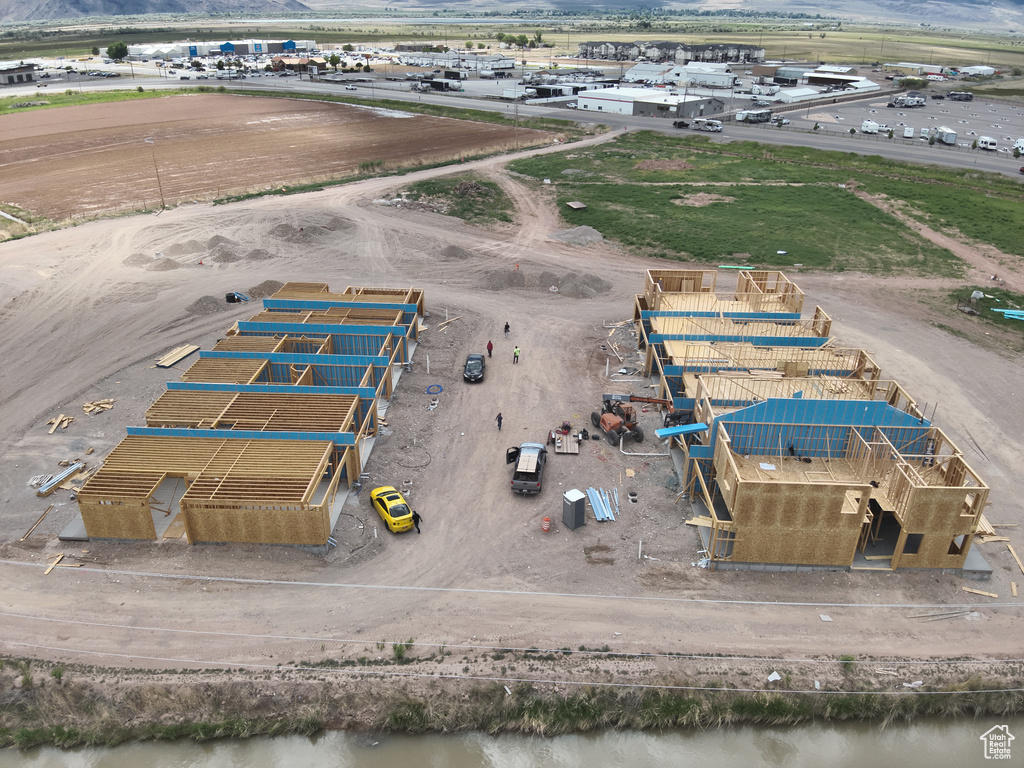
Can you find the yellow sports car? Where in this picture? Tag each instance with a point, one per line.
(392, 507)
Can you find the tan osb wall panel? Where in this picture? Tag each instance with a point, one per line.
(127, 520)
(208, 523)
(937, 509)
(794, 523)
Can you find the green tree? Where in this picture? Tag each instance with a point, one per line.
(469, 45)
(500, 37)
(522, 41)
(220, 65)
(334, 61)
(95, 50)
(118, 50)
(538, 37)
(347, 47)
(480, 46)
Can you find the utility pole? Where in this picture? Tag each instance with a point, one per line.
(156, 170)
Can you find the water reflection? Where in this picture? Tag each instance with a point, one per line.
(924, 744)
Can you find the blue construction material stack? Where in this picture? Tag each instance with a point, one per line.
(601, 504)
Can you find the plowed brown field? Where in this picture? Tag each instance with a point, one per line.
(105, 158)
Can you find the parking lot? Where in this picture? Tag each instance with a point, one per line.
(1001, 121)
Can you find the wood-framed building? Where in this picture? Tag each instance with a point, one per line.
(817, 494)
(255, 440)
(810, 457)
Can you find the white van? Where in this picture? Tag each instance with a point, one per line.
(908, 132)
(986, 142)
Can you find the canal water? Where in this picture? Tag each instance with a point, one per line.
(923, 744)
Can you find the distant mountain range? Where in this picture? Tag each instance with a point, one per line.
(996, 15)
(40, 10)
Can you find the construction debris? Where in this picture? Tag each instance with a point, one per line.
(176, 355)
(979, 592)
(29, 533)
(98, 405)
(50, 485)
(60, 422)
(1019, 563)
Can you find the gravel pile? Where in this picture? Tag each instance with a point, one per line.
(207, 305)
(264, 289)
(163, 265)
(577, 236)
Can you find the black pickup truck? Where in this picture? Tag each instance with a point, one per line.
(530, 459)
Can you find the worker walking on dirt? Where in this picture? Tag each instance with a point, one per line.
(490, 347)
(416, 520)
(498, 419)
(515, 355)
(506, 330)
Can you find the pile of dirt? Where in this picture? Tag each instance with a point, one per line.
(264, 289)
(583, 286)
(663, 165)
(572, 284)
(577, 236)
(700, 199)
(307, 233)
(338, 224)
(163, 265)
(138, 260)
(258, 254)
(500, 280)
(457, 253)
(223, 255)
(216, 240)
(206, 305)
(187, 248)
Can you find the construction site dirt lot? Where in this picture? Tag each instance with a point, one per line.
(87, 310)
(106, 158)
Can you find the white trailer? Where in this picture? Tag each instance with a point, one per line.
(704, 124)
(869, 126)
(986, 142)
(908, 132)
(946, 135)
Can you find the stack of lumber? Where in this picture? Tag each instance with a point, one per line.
(176, 355)
(702, 521)
(987, 532)
(96, 406)
(60, 422)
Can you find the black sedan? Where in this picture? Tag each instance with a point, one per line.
(474, 370)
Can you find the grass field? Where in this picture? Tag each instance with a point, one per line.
(687, 198)
(993, 298)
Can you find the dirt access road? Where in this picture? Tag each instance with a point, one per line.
(87, 310)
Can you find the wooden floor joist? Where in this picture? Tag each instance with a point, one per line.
(176, 355)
